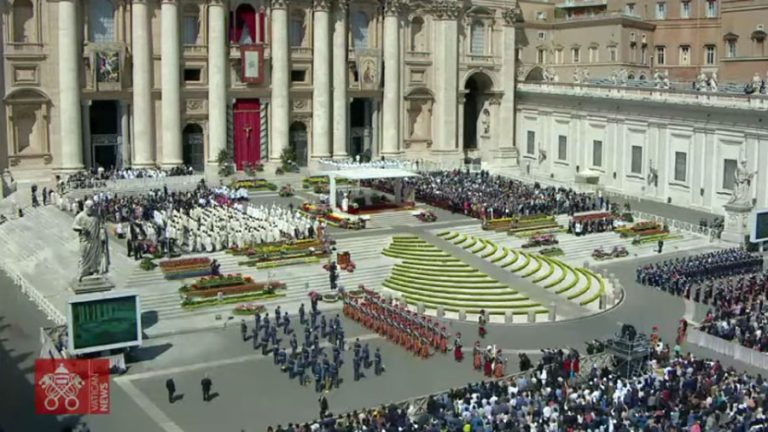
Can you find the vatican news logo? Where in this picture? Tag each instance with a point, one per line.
(71, 386)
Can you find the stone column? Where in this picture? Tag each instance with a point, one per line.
(69, 87)
(143, 129)
(171, 84)
(85, 111)
(321, 81)
(340, 84)
(507, 152)
(125, 133)
(392, 103)
(446, 16)
(217, 79)
(280, 79)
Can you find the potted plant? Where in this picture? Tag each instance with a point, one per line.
(225, 159)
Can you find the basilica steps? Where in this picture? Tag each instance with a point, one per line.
(576, 284)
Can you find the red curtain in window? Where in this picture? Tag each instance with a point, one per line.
(247, 131)
(245, 17)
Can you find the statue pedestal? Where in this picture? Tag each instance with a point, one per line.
(506, 156)
(736, 227)
(92, 284)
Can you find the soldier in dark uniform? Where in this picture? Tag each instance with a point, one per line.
(333, 371)
(278, 316)
(255, 338)
(290, 367)
(307, 334)
(265, 322)
(340, 339)
(366, 357)
(318, 379)
(170, 385)
(323, 326)
(294, 344)
(275, 354)
(337, 356)
(356, 347)
(300, 370)
(282, 357)
(286, 323)
(273, 335)
(244, 330)
(265, 344)
(257, 320)
(302, 315)
(378, 367)
(356, 366)
(323, 406)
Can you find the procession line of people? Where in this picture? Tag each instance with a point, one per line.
(414, 332)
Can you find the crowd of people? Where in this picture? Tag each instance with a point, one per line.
(678, 275)
(97, 177)
(738, 309)
(679, 393)
(310, 358)
(201, 220)
(485, 196)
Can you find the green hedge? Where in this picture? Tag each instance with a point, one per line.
(491, 311)
(459, 240)
(526, 260)
(580, 292)
(486, 284)
(421, 275)
(514, 257)
(439, 296)
(406, 256)
(472, 243)
(599, 292)
(504, 254)
(439, 272)
(440, 269)
(547, 274)
(564, 270)
(438, 292)
(479, 306)
(536, 267)
(446, 265)
(479, 247)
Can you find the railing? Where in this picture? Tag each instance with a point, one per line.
(709, 232)
(23, 48)
(140, 184)
(34, 295)
(301, 52)
(480, 59)
(198, 50)
(728, 348)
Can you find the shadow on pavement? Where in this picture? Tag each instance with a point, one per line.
(17, 411)
(148, 319)
(147, 353)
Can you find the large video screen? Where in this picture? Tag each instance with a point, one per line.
(760, 228)
(104, 321)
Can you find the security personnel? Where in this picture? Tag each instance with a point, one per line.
(356, 366)
(275, 354)
(333, 373)
(257, 320)
(340, 339)
(300, 371)
(277, 316)
(318, 380)
(294, 344)
(255, 338)
(356, 347)
(323, 326)
(290, 367)
(244, 330)
(265, 322)
(282, 356)
(366, 357)
(337, 356)
(378, 367)
(302, 315)
(286, 323)
(307, 334)
(273, 335)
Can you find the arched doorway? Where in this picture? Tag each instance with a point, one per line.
(535, 74)
(193, 153)
(298, 142)
(477, 86)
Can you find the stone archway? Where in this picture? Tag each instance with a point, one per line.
(298, 143)
(476, 112)
(535, 74)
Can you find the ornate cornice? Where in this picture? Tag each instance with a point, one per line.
(512, 15)
(446, 9)
(279, 4)
(322, 5)
(342, 5)
(392, 7)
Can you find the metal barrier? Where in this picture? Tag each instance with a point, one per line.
(728, 348)
(34, 295)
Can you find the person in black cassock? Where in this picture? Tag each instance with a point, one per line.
(323, 406)
(206, 383)
(171, 387)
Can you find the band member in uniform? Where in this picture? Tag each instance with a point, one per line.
(458, 355)
(477, 355)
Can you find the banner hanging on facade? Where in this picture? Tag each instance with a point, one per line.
(252, 61)
(368, 68)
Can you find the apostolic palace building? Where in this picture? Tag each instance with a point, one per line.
(655, 98)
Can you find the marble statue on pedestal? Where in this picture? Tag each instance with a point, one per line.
(576, 76)
(713, 82)
(701, 82)
(94, 249)
(742, 186)
(665, 81)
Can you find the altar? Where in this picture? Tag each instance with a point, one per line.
(372, 200)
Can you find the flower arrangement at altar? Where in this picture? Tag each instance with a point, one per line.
(253, 184)
(186, 268)
(249, 309)
(643, 229)
(226, 289)
(286, 191)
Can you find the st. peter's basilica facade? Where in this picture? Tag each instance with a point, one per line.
(142, 83)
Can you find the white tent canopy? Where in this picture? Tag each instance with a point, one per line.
(368, 173)
(361, 174)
